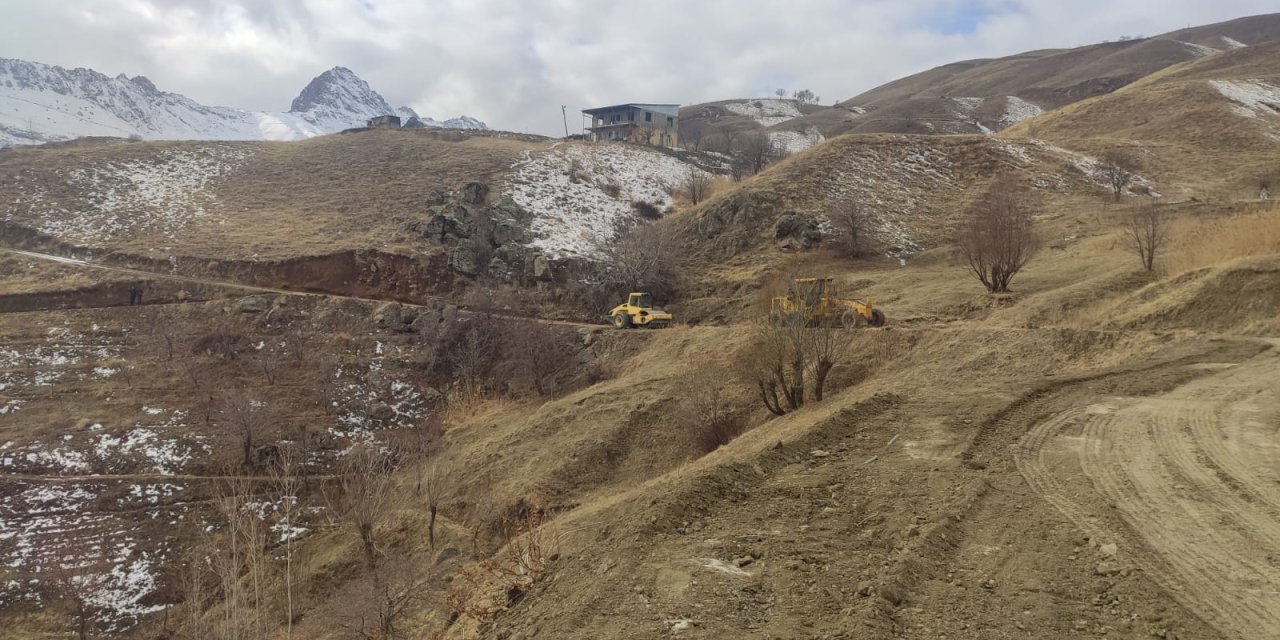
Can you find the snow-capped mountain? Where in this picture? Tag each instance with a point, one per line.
(42, 103)
(410, 118)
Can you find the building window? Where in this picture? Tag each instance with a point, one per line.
(670, 121)
(631, 115)
(648, 117)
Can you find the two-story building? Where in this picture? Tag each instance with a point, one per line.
(657, 124)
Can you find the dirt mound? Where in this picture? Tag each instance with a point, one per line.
(1240, 298)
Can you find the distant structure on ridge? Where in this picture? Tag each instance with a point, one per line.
(656, 124)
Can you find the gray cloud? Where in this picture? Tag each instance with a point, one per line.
(513, 63)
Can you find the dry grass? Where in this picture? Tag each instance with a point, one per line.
(1198, 244)
(323, 195)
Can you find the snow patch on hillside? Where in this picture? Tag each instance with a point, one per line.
(1252, 97)
(792, 142)
(1233, 43)
(581, 195)
(766, 111)
(1198, 50)
(1016, 110)
(163, 194)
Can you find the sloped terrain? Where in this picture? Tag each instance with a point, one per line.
(977, 96)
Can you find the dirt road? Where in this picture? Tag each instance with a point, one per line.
(1194, 476)
(140, 273)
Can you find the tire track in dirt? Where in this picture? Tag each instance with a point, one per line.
(1197, 517)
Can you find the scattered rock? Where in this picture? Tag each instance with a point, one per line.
(541, 268)
(1109, 550)
(475, 192)
(389, 315)
(254, 304)
(819, 453)
(465, 259)
(1107, 568)
(866, 589)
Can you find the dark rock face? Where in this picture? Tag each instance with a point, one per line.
(797, 232)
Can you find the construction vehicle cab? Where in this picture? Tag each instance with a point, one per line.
(818, 301)
(638, 311)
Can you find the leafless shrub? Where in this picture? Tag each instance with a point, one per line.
(998, 239)
(502, 580)
(697, 185)
(1118, 167)
(286, 481)
(471, 352)
(854, 222)
(647, 210)
(599, 370)
(787, 361)
(612, 189)
(1145, 232)
(244, 416)
(757, 151)
(161, 328)
(226, 340)
(394, 588)
(364, 497)
(270, 360)
(712, 435)
(546, 353)
(438, 482)
(576, 172)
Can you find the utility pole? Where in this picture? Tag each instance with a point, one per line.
(564, 113)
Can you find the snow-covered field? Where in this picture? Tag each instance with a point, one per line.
(766, 111)
(1233, 43)
(570, 190)
(123, 199)
(1252, 97)
(1198, 50)
(1016, 110)
(53, 536)
(796, 141)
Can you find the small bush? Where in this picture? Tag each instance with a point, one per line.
(712, 435)
(647, 210)
(599, 370)
(612, 189)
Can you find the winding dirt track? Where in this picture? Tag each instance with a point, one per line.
(1193, 474)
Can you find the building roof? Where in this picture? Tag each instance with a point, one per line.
(665, 109)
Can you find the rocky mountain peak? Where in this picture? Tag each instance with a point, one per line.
(340, 90)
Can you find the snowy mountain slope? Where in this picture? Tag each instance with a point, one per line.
(42, 103)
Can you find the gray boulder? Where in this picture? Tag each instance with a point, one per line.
(475, 192)
(541, 268)
(389, 315)
(254, 304)
(465, 259)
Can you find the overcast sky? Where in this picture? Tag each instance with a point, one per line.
(512, 63)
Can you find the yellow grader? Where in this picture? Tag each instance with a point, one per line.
(818, 301)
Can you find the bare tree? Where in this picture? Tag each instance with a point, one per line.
(998, 239)
(365, 498)
(697, 184)
(286, 480)
(705, 411)
(805, 96)
(472, 356)
(854, 222)
(394, 587)
(1118, 167)
(438, 478)
(161, 328)
(781, 93)
(244, 416)
(757, 151)
(1146, 231)
(646, 259)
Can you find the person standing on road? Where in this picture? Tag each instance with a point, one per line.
(133, 294)
(139, 290)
